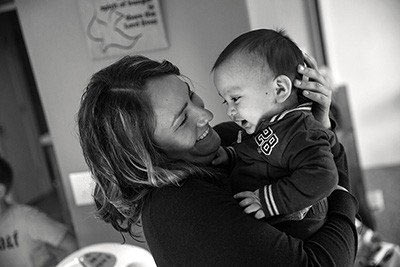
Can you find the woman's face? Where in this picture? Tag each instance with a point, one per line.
(182, 123)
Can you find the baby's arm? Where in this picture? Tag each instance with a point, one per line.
(226, 155)
(314, 174)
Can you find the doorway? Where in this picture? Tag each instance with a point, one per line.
(25, 141)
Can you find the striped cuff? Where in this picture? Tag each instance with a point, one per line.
(231, 154)
(267, 201)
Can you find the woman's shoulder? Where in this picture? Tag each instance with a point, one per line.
(191, 187)
(193, 198)
(180, 208)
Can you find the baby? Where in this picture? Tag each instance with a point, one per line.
(284, 157)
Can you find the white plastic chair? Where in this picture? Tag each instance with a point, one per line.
(109, 255)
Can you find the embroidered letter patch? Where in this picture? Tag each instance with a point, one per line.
(266, 141)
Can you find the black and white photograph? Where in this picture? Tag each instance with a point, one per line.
(143, 133)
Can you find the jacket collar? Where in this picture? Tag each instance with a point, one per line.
(304, 107)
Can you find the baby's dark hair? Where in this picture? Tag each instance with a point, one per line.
(6, 174)
(275, 48)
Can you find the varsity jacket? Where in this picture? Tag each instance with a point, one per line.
(289, 160)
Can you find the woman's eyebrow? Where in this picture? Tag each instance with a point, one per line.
(183, 107)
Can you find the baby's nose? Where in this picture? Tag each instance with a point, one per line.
(231, 111)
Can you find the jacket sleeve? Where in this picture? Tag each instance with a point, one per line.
(232, 156)
(313, 176)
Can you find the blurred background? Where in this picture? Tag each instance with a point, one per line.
(45, 64)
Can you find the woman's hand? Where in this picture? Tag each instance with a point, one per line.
(316, 88)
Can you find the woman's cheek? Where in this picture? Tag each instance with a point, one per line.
(186, 141)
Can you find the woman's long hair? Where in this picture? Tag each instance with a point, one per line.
(116, 125)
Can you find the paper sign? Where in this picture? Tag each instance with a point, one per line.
(121, 27)
(82, 185)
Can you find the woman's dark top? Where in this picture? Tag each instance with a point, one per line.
(200, 224)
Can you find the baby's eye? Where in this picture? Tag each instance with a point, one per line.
(235, 99)
(224, 102)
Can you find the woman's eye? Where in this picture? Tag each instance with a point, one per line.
(183, 121)
(224, 102)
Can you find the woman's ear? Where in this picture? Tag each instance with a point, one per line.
(283, 88)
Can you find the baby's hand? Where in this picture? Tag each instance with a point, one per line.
(221, 157)
(251, 203)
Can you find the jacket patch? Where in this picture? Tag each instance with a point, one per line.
(266, 141)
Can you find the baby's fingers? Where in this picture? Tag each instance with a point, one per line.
(221, 157)
(218, 161)
(259, 214)
(244, 194)
(246, 202)
(252, 208)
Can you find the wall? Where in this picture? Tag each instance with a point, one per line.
(197, 32)
(363, 40)
(366, 31)
(293, 16)
(363, 43)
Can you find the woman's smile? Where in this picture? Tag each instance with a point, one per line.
(208, 143)
(182, 129)
(204, 134)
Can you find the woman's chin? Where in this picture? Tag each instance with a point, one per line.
(206, 149)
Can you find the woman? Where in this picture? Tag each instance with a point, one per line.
(146, 138)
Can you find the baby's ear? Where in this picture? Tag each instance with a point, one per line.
(283, 88)
(2, 191)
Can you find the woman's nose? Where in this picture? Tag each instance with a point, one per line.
(205, 116)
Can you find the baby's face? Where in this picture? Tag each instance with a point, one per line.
(247, 90)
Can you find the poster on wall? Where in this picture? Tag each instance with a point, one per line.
(121, 27)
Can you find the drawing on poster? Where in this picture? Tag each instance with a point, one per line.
(117, 27)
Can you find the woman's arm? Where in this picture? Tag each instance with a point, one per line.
(341, 205)
(319, 90)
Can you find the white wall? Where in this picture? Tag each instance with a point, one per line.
(197, 32)
(289, 15)
(363, 39)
